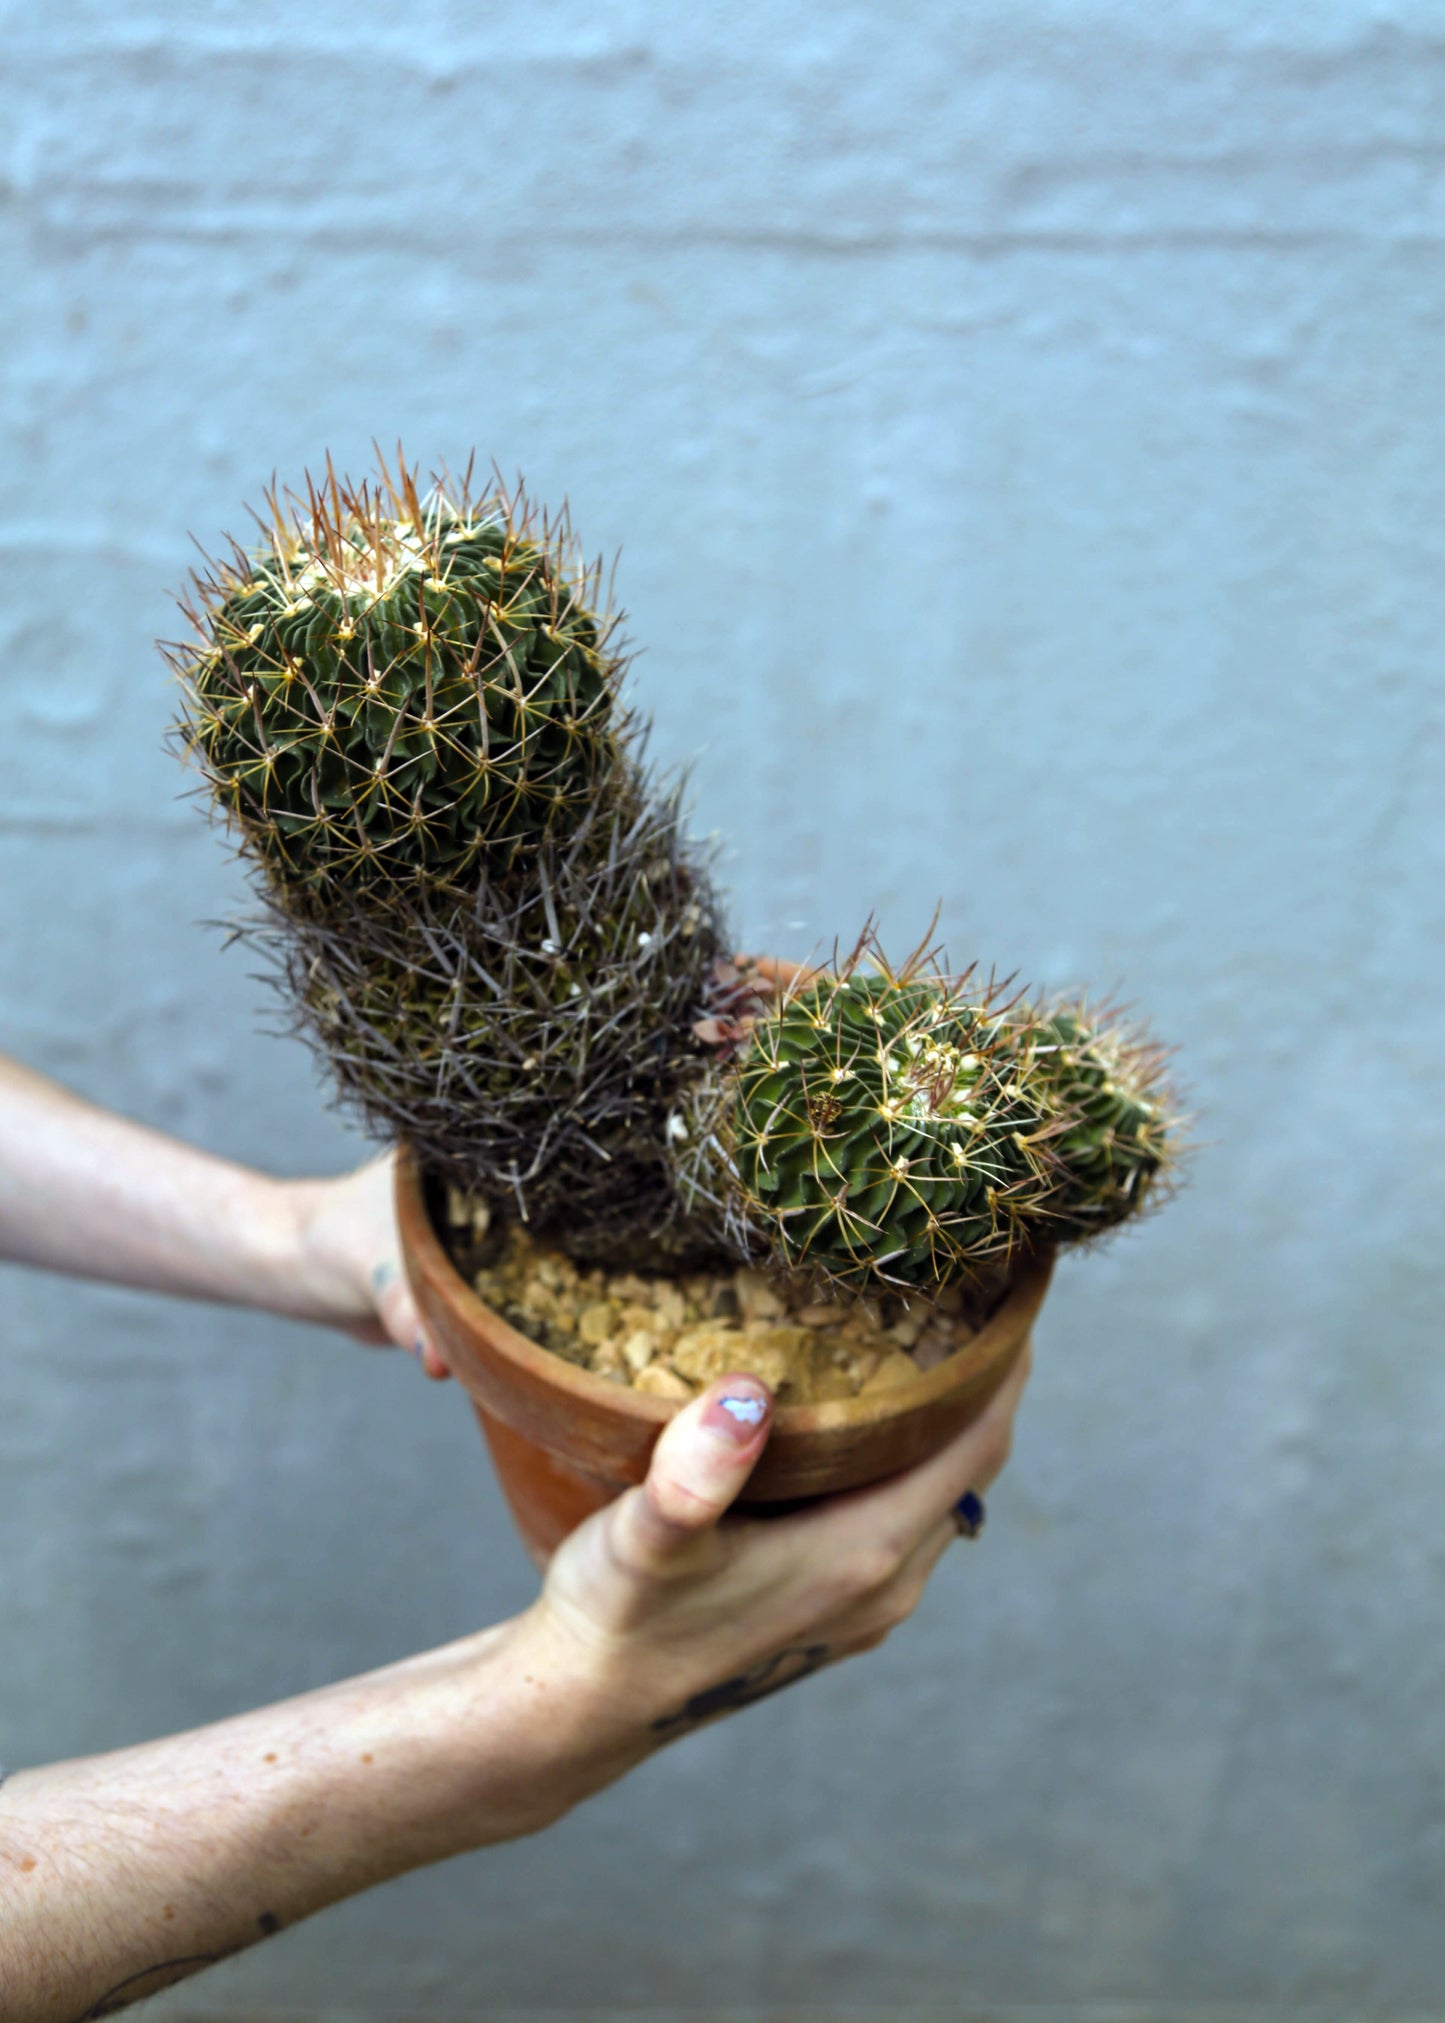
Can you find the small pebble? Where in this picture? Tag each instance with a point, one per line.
(658, 1381)
(895, 1369)
(596, 1322)
(669, 1304)
(757, 1300)
(935, 1346)
(639, 1349)
(609, 1359)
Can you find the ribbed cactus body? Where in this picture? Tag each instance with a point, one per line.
(1102, 1087)
(873, 1136)
(381, 695)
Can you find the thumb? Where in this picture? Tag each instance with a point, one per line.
(699, 1465)
(401, 1320)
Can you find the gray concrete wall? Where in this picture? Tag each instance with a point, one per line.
(1024, 425)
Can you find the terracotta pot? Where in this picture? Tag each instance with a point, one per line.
(565, 1443)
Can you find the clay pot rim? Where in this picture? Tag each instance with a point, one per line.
(510, 1345)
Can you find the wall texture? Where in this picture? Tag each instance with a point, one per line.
(1023, 421)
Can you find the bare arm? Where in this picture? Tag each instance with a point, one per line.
(86, 1192)
(123, 1873)
(120, 1874)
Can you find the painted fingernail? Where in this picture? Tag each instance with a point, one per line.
(418, 1349)
(738, 1412)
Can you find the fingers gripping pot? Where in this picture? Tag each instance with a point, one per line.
(565, 1443)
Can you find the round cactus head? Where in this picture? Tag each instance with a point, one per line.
(876, 1131)
(395, 687)
(1102, 1087)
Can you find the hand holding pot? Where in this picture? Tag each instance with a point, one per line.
(664, 1611)
(349, 1259)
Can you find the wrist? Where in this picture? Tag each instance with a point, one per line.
(590, 1722)
(488, 1739)
(314, 1280)
(244, 1248)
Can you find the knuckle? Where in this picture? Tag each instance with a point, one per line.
(901, 1603)
(887, 1611)
(871, 1568)
(675, 1502)
(658, 1537)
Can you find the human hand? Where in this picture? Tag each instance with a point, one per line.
(668, 1612)
(350, 1260)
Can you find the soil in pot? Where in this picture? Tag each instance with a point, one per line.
(671, 1336)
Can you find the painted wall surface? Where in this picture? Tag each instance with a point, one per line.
(1023, 424)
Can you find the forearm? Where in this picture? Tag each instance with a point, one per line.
(90, 1193)
(120, 1874)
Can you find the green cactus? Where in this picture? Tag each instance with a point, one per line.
(1102, 1086)
(479, 911)
(488, 923)
(872, 1130)
(393, 689)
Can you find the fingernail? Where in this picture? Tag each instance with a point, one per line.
(738, 1412)
(418, 1349)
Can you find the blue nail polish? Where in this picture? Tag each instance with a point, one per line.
(747, 1411)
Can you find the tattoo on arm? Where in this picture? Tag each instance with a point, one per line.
(137, 1987)
(768, 1677)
